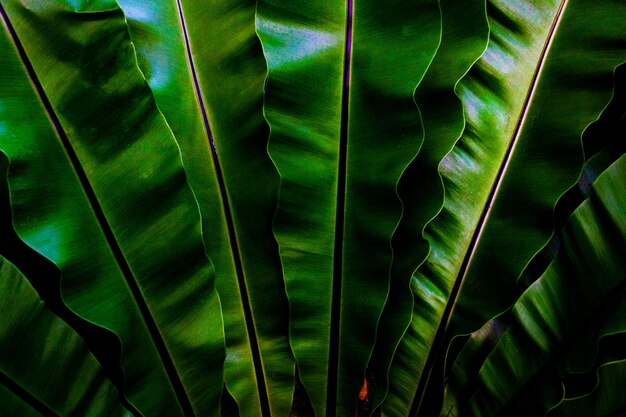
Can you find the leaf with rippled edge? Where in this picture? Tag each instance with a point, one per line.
(576, 296)
(204, 63)
(464, 39)
(544, 77)
(98, 188)
(607, 399)
(45, 367)
(343, 128)
(301, 146)
(603, 145)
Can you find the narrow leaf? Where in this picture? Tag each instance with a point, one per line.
(208, 80)
(464, 28)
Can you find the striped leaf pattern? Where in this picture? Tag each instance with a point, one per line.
(330, 208)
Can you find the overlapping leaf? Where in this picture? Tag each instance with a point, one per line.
(89, 154)
(606, 400)
(527, 102)
(464, 28)
(343, 128)
(570, 300)
(122, 118)
(33, 342)
(204, 64)
(603, 145)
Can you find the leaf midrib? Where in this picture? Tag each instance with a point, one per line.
(230, 225)
(335, 315)
(28, 398)
(98, 212)
(441, 335)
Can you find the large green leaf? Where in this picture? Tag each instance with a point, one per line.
(334, 98)
(527, 101)
(208, 82)
(603, 145)
(464, 28)
(89, 153)
(302, 147)
(569, 300)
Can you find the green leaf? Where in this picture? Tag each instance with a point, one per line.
(33, 343)
(89, 153)
(464, 28)
(334, 98)
(603, 146)
(372, 183)
(606, 400)
(503, 177)
(570, 92)
(570, 299)
(208, 83)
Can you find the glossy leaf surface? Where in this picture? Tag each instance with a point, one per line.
(334, 98)
(503, 177)
(209, 84)
(364, 184)
(464, 27)
(35, 341)
(90, 220)
(572, 367)
(570, 299)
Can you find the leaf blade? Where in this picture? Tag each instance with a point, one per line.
(488, 116)
(571, 297)
(464, 28)
(33, 340)
(167, 191)
(329, 132)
